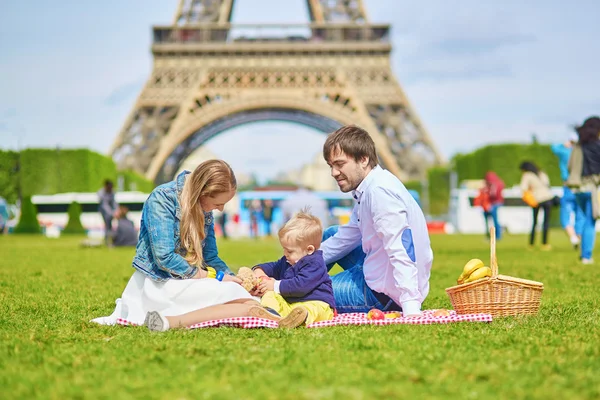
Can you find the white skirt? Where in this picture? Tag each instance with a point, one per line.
(172, 297)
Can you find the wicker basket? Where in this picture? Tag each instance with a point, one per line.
(499, 295)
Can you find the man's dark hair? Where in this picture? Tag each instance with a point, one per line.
(355, 142)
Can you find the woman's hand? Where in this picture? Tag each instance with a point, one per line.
(231, 278)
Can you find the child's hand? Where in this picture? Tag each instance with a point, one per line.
(267, 284)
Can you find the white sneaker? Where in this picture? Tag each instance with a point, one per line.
(587, 261)
(156, 322)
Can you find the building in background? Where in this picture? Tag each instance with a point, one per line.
(315, 175)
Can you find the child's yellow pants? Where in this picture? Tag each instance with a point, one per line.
(317, 310)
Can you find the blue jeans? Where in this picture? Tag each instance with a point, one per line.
(568, 207)
(493, 212)
(350, 290)
(588, 233)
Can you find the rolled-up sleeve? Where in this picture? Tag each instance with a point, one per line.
(346, 239)
(391, 225)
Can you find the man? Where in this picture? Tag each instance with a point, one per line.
(571, 215)
(390, 268)
(107, 205)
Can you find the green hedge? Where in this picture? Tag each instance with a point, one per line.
(504, 159)
(439, 190)
(74, 224)
(28, 222)
(51, 171)
(132, 181)
(9, 176)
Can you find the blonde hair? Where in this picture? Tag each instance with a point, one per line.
(210, 178)
(305, 229)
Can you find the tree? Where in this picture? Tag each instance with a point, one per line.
(28, 222)
(74, 224)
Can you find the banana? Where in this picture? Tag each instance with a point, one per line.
(471, 266)
(479, 274)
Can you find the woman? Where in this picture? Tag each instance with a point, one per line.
(584, 178)
(537, 182)
(490, 199)
(178, 269)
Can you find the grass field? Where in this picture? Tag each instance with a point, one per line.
(50, 289)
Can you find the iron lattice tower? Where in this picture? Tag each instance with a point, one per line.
(210, 75)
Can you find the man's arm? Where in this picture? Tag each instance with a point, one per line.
(346, 239)
(391, 224)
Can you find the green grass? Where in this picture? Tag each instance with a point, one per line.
(50, 289)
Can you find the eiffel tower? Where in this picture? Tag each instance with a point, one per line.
(210, 75)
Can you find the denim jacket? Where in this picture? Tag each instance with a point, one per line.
(158, 252)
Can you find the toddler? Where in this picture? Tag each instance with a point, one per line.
(300, 289)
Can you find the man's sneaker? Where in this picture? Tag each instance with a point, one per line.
(156, 322)
(587, 261)
(295, 318)
(546, 247)
(261, 312)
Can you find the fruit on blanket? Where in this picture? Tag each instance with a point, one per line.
(441, 313)
(249, 281)
(479, 274)
(392, 315)
(473, 265)
(375, 314)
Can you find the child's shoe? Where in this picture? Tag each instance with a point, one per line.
(156, 322)
(587, 261)
(546, 247)
(261, 312)
(295, 318)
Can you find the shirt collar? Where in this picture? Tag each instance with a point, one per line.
(180, 181)
(364, 185)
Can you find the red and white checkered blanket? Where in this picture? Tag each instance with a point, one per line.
(341, 319)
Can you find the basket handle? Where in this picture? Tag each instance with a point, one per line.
(493, 260)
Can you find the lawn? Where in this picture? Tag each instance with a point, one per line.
(51, 288)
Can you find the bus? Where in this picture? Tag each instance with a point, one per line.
(52, 209)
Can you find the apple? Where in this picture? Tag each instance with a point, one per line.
(264, 278)
(375, 314)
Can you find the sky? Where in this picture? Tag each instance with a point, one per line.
(476, 71)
